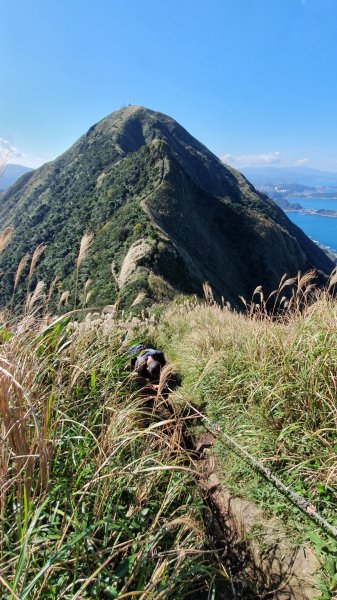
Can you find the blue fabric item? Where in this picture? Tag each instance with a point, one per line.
(135, 349)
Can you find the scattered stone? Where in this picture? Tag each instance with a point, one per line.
(213, 482)
(206, 440)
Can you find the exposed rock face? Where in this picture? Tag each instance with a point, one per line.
(137, 180)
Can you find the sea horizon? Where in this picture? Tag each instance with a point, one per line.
(320, 228)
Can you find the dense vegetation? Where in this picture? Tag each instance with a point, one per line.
(271, 385)
(138, 176)
(99, 496)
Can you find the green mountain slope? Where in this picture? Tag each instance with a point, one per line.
(166, 213)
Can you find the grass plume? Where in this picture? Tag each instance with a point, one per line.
(21, 266)
(19, 270)
(85, 244)
(35, 257)
(35, 296)
(5, 237)
(64, 298)
(39, 250)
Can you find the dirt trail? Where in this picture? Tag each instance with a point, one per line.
(260, 562)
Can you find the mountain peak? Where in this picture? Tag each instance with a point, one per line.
(165, 212)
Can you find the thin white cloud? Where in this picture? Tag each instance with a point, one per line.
(11, 154)
(278, 159)
(6, 150)
(301, 161)
(252, 160)
(27, 160)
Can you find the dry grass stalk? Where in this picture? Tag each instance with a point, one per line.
(333, 278)
(87, 297)
(18, 273)
(5, 237)
(132, 260)
(64, 298)
(4, 315)
(303, 280)
(300, 293)
(36, 255)
(19, 270)
(32, 298)
(51, 289)
(13, 411)
(86, 242)
(285, 282)
(208, 293)
(87, 285)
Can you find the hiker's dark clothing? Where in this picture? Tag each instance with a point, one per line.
(141, 365)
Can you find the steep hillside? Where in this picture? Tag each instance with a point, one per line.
(166, 214)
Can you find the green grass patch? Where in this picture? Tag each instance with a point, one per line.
(97, 500)
(272, 387)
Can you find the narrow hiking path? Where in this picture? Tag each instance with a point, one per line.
(261, 564)
(269, 384)
(256, 568)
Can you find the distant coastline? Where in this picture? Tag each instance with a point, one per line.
(322, 212)
(304, 195)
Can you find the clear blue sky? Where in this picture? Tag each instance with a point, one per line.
(255, 80)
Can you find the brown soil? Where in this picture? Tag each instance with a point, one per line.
(256, 554)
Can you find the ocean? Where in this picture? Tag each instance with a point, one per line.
(318, 228)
